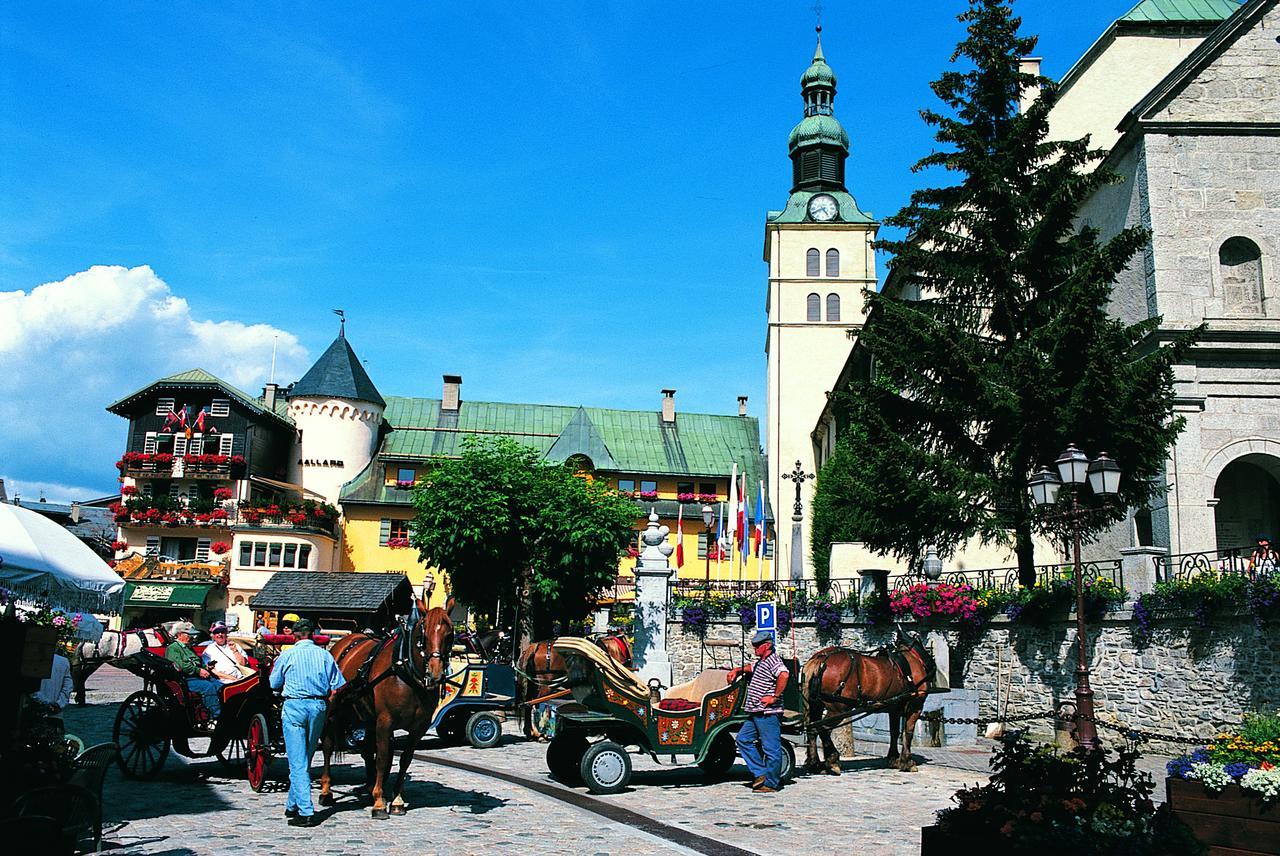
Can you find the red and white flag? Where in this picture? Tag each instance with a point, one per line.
(680, 538)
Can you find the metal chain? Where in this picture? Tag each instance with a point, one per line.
(1135, 735)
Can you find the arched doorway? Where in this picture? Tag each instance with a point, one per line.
(1248, 492)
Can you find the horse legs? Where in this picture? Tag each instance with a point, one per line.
(398, 806)
(895, 723)
(812, 716)
(911, 714)
(382, 765)
(326, 748)
(830, 754)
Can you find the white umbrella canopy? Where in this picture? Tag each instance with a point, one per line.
(40, 560)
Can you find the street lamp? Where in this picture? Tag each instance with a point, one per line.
(428, 586)
(1103, 477)
(708, 515)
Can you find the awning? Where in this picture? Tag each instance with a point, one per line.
(289, 486)
(41, 561)
(176, 595)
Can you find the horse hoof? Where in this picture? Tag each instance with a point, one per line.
(910, 767)
(398, 810)
(379, 814)
(326, 799)
(834, 771)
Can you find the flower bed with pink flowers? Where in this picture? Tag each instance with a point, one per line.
(943, 600)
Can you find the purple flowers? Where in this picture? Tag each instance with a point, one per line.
(695, 618)
(747, 615)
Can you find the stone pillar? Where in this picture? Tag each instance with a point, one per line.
(653, 580)
(940, 648)
(600, 622)
(874, 581)
(1139, 568)
(797, 550)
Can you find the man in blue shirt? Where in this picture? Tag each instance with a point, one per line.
(309, 678)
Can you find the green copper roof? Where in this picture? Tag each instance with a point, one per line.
(797, 210)
(338, 374)
(818, 129)
(1181, 10)
(634, 441)
(199, 378)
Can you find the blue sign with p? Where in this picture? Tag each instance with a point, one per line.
(767, 615)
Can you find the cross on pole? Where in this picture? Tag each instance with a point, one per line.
(799, 476)
(817, 10)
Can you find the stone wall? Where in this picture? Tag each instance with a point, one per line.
(1188, 680)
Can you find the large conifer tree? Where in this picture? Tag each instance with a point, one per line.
(995, 349)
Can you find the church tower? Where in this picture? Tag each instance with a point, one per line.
(820, 257)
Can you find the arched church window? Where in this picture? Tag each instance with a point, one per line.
(833, 262)
(812, 260)
(1240, 265)
(833, 307)
(814, 308)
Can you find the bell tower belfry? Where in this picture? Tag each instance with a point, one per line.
(820, 257)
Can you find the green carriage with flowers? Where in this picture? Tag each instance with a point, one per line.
(612, 712)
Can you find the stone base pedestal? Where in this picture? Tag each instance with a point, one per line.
(958, 704)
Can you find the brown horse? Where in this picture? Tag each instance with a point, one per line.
(838, 683)
(541, 666)
(393, 683)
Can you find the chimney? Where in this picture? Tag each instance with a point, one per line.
(742, 405)
(1029, 65)
(75, 512)
(668, 406)
(269, 396)
(452, 392)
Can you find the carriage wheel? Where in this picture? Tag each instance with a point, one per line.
(232, 755)
(723, 752)
(141, 732)
(606, 768)
(484, 730)
(257, 751)
(788, 761)
(564, 755)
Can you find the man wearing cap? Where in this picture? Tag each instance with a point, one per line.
(763, 728)
(224, 658)
(199, 679)
(309, 679)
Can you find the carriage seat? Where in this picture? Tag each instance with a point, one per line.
(616, 674)
(694, 691)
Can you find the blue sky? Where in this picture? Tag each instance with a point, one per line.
(562, 202)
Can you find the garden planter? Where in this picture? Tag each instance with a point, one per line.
(1232, 821)
(936, 841)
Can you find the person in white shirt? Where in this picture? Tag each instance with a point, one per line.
(224, 658)
(55, 690)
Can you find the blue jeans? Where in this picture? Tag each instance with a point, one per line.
(208, 690)
(762, 731)
(303, 720)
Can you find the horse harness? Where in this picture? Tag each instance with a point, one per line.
(402, 666)
(896, 657)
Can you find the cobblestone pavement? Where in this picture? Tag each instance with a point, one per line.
(198, 807)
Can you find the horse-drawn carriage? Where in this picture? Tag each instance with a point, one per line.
(164, 714)
(698, 719)
(471, 699)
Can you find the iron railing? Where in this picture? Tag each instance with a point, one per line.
(1007, 579)
(782, 591)
(1185, 566)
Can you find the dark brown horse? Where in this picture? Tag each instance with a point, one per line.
(393, 683)
(838, 683)
(540, 667)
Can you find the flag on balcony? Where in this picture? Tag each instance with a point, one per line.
(732, 522)
(744, 515)
(759, 521)
(680, 538)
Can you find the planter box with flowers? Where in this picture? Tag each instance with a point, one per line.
(686, 497)
(398, 543)
(707, 498)
(648, 495)
(1228, 792)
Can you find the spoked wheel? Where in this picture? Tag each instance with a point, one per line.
(720, 757)
(606, 768)
(232, 755)
(257, 751)
(788, 761)
(484, 730)
(564, 755)
(141, 732)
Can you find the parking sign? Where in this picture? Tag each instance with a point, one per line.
(767, 615)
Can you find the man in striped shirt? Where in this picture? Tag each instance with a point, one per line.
(760, 738)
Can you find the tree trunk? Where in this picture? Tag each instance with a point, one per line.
(524, 609)
(1025, 551)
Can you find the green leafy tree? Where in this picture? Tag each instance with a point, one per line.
(509, 527)
(995, 349)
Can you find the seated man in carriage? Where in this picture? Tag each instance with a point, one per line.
(199, 678)
(223, 657)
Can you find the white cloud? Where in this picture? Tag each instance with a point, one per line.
(51, 491)
(69, 348)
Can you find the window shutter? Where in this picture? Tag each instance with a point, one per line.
(833, 307)
(224, 444)
(304, 555)
(220, 407)
(811, 261)
(702, 545)
(147, 489)
(175, 489)
(153, 545)
(813, 308)
(833, 262)
(164, 406)
(384, 533)
(149, 444)
(179, 446)
(202, 549)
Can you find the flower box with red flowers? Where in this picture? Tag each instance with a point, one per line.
(686, 497)
(404, 485)
(128, 490)
(218, 548)
(648, 495)
(118, 545)
(397, 543)
(222, 494)
(708, 498)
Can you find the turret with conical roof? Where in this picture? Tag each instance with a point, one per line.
(818, 145)
(338, 411)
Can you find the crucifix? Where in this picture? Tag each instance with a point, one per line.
(799, 476)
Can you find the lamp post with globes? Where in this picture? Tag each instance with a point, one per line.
(1103, 477)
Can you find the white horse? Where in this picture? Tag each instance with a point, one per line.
(86, 657)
